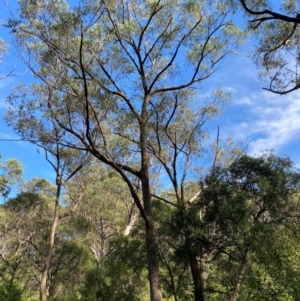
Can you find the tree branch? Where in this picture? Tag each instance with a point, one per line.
(273, 15)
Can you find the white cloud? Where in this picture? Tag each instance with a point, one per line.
(268, 120)
(244, 101)
(272, 121)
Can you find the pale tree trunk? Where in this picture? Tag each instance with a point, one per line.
(43, 286)
(131, 220)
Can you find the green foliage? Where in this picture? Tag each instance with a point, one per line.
(121, 276)
(261, 188)
(175, 276)
(11, 174)
(243, 227)
(118, 81)
(23, 203)
(10, 292)
(69, 265)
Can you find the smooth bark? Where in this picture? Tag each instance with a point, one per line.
(151, 245)
(43, 286)
(131, 220)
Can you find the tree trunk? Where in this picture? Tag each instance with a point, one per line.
(151, 245)
(131, 220)
(152, 258)
(152, 250)
(197, 275)
(43, 286)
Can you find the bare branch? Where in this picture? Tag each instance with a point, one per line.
(165, 201)
(273, 15)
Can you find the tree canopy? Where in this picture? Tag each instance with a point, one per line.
(119, 102)
(120, 80)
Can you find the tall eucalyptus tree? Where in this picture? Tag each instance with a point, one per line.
(121, 79)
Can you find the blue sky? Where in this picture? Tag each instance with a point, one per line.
(269, 121)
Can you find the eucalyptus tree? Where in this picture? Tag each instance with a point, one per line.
(65, 166)
(65, 162)
(104, 207)
(278, 34)
(24, 219)
(122, 80)
(11, 174)
(105, 215)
